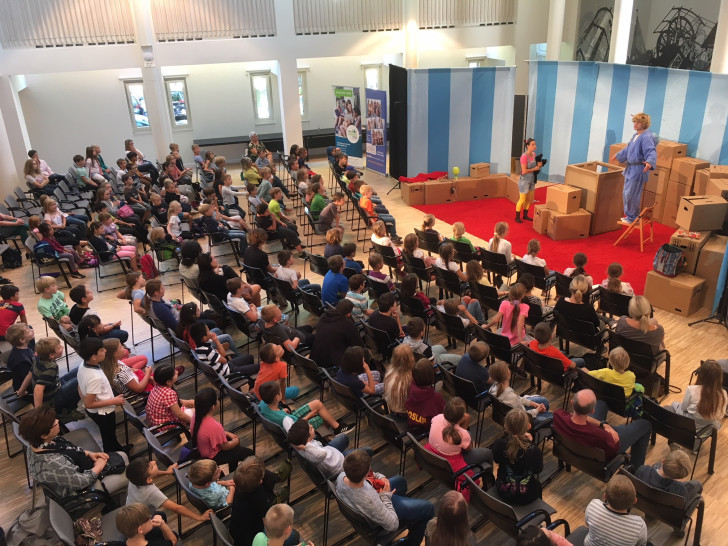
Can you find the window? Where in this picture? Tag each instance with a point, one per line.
(372, 76)
(137, 107)
(302, 93)
(262, 96)
(178, 102)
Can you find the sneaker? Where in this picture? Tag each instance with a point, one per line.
(77, 275)
(344, 428)
(624, 220)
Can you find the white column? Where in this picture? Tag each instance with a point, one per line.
(411, 18)
(13, 145)
(621, 23)
(719, 63)
(287, 72)
(555, 33)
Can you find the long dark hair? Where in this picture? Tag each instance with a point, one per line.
(409, 286)
(87, 325)
(187, 317)
(205, 400)
(452, 528)
(190, 251)
(204, 262)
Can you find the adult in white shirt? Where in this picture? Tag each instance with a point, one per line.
(44, 168)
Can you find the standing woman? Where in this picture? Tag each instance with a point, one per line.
(527, 182)
(640, 156)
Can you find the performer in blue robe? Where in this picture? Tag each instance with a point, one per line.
(640, 156)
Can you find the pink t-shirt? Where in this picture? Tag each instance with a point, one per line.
(506, 308)
(209, 437)
(437, 425)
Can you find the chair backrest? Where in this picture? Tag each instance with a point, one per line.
(133, 417)
(448, 281)
(591, 460)
(343, 394)
(155, 445)
(416, 266)
(677, 428)
(436, 466)
(378, 287)
(194, 288)
(614, 304)
(609, 393)
(641, 360)
(278, 434)
(214, 302)
(544, 367)
(255, 275)
(388, 256)
(486, 295)
(240, 399)
(453, 325)
(242, 323)
(312, 303)
(429, 242)
(667, 507)
(498, 512)
(7, 412)
(221, 531)
(414, 307)
(562, 285)
(463, 252)
(377, 340)
(500, 345)
(537, 271)
(500, 410)
(496, 263)
(465, 389)
(285, 289)
(319, 264)
(310, 369)
(315, 226)
(580, 332)
(387, 427)
(61, 522)
(194, 498)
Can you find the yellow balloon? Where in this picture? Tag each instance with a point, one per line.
(456, 171)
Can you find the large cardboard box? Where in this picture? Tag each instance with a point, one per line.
(541, 216)
(512, 188)
(614, 148)
(691, 246)
(602, 196)
(468, 188)
(702, 212)
(413, 194)
(650, 199)
(667, 151)
(657, 180)
(719, 171)
(669, 213)
(701, 181)
(710, 261)
(574, 225)
(683, 169)
(479, 169)
(492, 185)
(438, 192)
(563, 198)
(682, 295)
(715, 186)
(675, 190)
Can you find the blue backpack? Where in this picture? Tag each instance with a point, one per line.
(44, 252)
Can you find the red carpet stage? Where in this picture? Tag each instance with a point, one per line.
(481, 216)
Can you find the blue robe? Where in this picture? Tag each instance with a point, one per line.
(640, 148)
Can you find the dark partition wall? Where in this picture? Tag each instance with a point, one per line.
(519, 124)
(397, 121)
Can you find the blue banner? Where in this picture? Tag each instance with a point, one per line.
(376, 130)
(347, 123)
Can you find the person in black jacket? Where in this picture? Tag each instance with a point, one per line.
(334, 333)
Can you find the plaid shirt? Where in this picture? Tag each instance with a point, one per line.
(158, 404)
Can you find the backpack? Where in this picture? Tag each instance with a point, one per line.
(44, 252)
(32, 528)
(12, 259)
(149, 270)
(669, 260)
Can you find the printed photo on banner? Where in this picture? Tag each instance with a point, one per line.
(347, 121)
(376, 130)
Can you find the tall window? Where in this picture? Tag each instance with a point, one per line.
(302, 93)
(372, 76)
(137, 107)
(177, 98)
(262, 96)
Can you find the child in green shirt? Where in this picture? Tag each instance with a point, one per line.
(52, 302)
(458, 232)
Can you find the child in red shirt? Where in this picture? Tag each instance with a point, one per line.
(10, 308)
(542, 345)
(272, 368)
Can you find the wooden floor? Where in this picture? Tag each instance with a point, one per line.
(569, 493)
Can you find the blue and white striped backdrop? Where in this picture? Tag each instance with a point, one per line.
(578, 109)
(459, 116)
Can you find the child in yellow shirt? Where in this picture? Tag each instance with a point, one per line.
(618, 374)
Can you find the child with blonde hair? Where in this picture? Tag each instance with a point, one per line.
(174, 223)
(204, 476)
(613, 283)
(428, 225)
(666, 475)
(458, 235)
(536, 406)
(499, 243)
(618, 373)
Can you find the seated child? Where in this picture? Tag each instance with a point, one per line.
(164, 245)
(512, 315)
(141, 473)
(608, 518)
(163, 403)
(423, 401)
(278, 523)
(49, 387)
(376, 262)
(435, 353)
(329, 459)
(52, 302)
(354, 373)
(536, 406)
(174, 222)
(139, 526)
(618, 374)
(667, 474)
(22, 357)
(357, 285)
(333, 243)
(329, 217)
(458, 234)
(10, 308)
(467, 309)
(544, 334)
(473, 366)
(314, 412)
(613, 283)
(428, 225)
(349, 255)
(531, 256)
(412, 248)
(253, 198)
(204, 476)
(578, 269)
(210, 350)
(272, 324)
(236, 298)
(272, 368)
(446, 261)
(287, 273)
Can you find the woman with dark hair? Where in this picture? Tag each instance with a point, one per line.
(212, 278)
(527, 183)
(210, 438)
(450, 527)
(60, 465)
(190, 251)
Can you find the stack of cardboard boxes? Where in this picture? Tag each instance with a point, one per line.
(479, 185)
(561, 217)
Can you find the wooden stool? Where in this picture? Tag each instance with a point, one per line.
(644, 219)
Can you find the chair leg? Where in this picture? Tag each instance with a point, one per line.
(713, 448)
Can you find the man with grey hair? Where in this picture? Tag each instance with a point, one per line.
(586, 426)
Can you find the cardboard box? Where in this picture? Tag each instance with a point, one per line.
(512, 188)
(541, 216)
(690, 246)
(667, 151)
(669, 213)
(516, 165)
(467, 188)
(701, 181)
(574, 225)
(719, 171)
(602, 196)
(654, 200)
(710, 260)
(438, 192)
(683, 169)
(715, 186)
(682, 295)
(657, 180)
(479, 169)
(614, 148)
(413, 194)
(702, 212)
(675, 191)
(493, 185)
(563, 198)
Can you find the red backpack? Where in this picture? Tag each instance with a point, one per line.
(149, 270)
